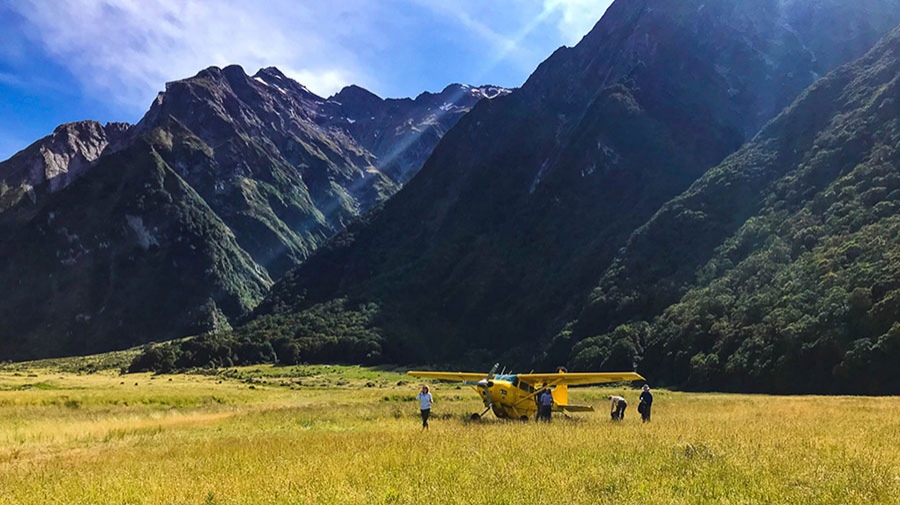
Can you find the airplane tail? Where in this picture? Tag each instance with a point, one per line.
(561, 395)
(561, 401)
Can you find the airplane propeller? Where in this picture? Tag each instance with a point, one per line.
(485, 383)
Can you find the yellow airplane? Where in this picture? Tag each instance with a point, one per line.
(513, 396)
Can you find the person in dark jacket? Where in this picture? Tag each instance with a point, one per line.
(646, 403)
(546, 405)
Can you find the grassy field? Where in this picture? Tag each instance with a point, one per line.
(318, 434)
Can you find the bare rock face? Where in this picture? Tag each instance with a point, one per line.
(401, 133)
(61, 157)
(57, 160)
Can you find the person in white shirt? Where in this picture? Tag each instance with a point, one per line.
(425, 402)
(617, 407)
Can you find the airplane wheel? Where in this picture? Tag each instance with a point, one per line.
(475, 417)
(524, 419)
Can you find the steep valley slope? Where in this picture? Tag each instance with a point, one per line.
(497, 242)
(778, 270)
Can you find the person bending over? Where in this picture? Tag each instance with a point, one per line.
(617, 407)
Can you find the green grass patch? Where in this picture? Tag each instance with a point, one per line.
(191, 439)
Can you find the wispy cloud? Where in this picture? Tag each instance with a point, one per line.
(573, 19)
(128, 49)
(31, 82)
(504, 32)
(577, 16)
(121, 52)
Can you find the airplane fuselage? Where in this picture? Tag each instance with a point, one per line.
(507, 397)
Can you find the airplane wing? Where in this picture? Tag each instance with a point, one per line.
(449, 376)
(578, 378)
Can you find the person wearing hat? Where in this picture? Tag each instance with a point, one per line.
(646, 403)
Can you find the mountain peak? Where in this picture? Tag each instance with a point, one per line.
(235, 73)
(483, 91)
(356, 96)
(270, 72)
(210, 72)
(275, 77)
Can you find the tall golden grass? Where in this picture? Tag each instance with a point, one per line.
(349, 435)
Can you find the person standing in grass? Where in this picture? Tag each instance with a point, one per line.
(546, 405)
(425, 402)
(617, 407)
(646, 403)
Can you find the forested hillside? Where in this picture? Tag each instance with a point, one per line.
(786, 255)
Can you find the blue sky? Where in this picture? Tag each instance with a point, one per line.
(68, 60)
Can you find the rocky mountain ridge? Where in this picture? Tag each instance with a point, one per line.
(373, 122)
(58, 159)
(179, 224)
(402, 132)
